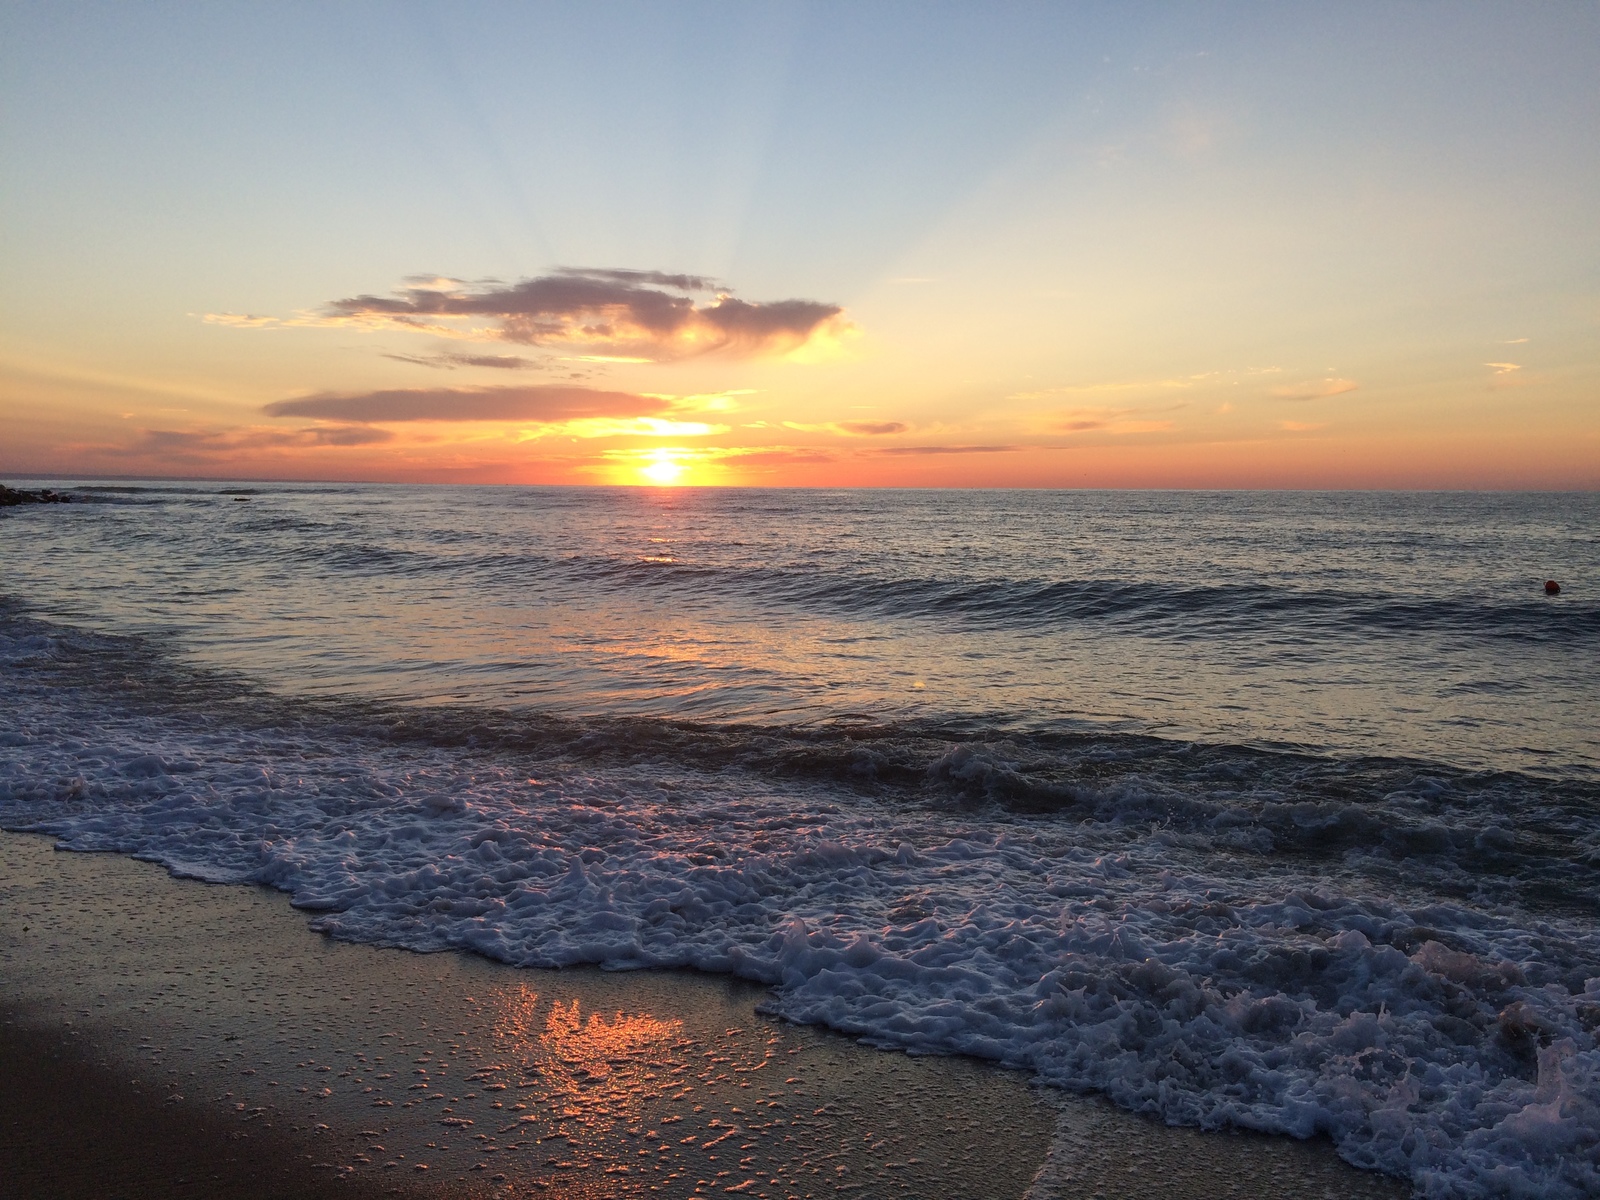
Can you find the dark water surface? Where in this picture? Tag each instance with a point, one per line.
(1351, 623)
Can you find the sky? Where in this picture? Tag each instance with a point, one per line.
(838, 244)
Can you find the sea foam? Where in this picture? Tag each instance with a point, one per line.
(1446, 1042)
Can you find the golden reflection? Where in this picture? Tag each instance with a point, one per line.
(615, 1055)
(592, 1066)
(629, 1103)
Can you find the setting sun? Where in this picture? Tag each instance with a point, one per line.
(663, 470)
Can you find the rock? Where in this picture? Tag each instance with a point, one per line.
(14, 496)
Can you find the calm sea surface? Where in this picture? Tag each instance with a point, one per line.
(1270, 809)
(1351, 623)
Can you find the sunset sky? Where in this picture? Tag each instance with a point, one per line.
(835, 244)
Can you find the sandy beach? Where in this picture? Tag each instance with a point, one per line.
(173, 1038)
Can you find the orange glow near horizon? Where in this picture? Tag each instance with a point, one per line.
(1162, 287)
(665, 472)
(669, 466)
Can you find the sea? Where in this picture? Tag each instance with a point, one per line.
(1273, 810)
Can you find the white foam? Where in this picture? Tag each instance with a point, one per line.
(1210, 992)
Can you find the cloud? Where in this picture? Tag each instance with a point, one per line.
(651, 316)
(907, 450)
(342, 435)
(1315, 389)
(776, 456)
(449, 362)
(851, 428)
(1504, 368)
(242, 321)
(1515, 341)
(1114, 421)
(1301, 426)
(544, 403)
(204, 444)
(871, 428)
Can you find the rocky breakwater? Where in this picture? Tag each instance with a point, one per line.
(10, 497)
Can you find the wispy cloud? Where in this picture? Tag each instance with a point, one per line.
(852, 428)
(1504, 368)
(1301, 426)
(207, 444)
(898, 451)
(247, 321)
(775, 456)
(614, 314)
(543, 403)
(871, 428)
(1116, 421)
(1315, 389)
(451, 362)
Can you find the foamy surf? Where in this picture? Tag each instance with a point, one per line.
(1192, 968)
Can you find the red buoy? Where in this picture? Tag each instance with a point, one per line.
(1552, 588)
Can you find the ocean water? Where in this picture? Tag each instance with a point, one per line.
(1276, 810)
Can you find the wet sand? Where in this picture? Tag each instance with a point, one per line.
(164, 1037)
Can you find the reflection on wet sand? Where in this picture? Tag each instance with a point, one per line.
(451, 1076)
(611, 1094)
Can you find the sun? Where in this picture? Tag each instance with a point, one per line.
(663, 471)
(664, 468)
(659, 466)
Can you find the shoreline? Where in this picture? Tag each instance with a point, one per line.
(75, 1128)
(363, 1070)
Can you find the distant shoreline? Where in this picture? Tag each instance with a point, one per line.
(59, 476)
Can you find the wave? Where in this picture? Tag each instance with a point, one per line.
(1509, 836)
(1181, 612)
(1193, 611)
(1367, 949)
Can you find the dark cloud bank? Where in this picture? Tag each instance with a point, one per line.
(547, 402)
(650, 312)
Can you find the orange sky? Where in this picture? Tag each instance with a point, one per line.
(1060, 251)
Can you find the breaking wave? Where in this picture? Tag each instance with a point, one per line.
(1398, 954)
